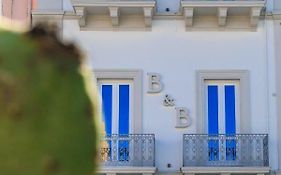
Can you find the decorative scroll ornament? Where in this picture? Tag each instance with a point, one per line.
(168, 101)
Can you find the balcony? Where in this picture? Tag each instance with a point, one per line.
(241, 153)
(132, 153)
(95, 14)
(224, 13)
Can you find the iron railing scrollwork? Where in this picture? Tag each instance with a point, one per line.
(225, 150)
(127, 150)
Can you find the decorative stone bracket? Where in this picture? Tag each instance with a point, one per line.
(188, 15)
(148, 13)
(81, 13)
(114, 13)
(255, 16)
(222, 15)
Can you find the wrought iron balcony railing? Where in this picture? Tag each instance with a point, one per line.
(240, 150)
(127, 150)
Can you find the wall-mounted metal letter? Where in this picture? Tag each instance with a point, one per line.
(183, 120)
(154, 83)
(168, 101)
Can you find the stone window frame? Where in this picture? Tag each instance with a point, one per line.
(127, 74)
(245, 105)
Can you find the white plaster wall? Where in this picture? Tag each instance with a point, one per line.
(272, 97)
(174, 5)
(277, 4)
(67, 6)
(176, 55)
(49, 4)
(277, 36)
(270, 5)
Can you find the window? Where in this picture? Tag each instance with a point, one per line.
(117, 103)
(222, 106)
(121, 93)
(222, 115)
(228, 93)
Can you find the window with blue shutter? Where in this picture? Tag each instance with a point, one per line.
(116, 107)
(222, 113)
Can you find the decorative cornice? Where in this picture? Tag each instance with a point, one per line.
(222, 8)
(48, 16)
(82, 6)
(47, 12)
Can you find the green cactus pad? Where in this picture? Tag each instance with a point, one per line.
(46, 116)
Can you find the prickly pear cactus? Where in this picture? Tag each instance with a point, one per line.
(46, 116)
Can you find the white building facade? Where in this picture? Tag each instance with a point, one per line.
(187, 87)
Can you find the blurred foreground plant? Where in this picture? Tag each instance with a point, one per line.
(46, 115)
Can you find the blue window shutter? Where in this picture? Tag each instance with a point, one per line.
(230, 123)
(124, 99)
(107, 107)
(213, 127)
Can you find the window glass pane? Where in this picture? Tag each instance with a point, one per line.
(124, 99)
(213, 110)
(107, 107)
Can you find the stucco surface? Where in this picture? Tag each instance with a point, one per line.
(176, 55)
(16, 9)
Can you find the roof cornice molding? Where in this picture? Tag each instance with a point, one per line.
(47, 12)
(83, 7)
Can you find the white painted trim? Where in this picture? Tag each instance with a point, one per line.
(115, 109)
(238, 170)
(237, 108)
(136, 77)
(208, 3)
(131, 108)
(221, 109)
(132, 170)
(47, 12)
(245, 107)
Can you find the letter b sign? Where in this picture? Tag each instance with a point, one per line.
(154, 83)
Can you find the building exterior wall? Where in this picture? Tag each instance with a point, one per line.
(176, 55)
(277, 5)
(49, 5)
(1, 7)
(277, 32)
(16, 10)
(277, 56)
